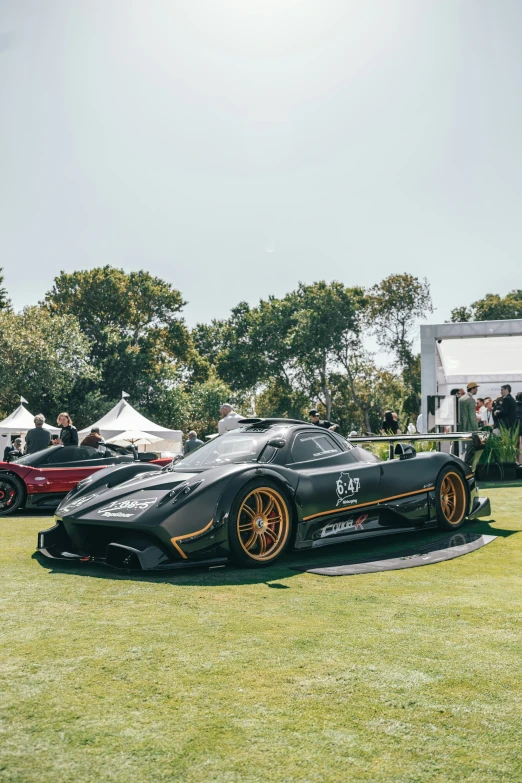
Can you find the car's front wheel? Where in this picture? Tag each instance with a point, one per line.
(12, 493)
(451, 498)
(259, 525)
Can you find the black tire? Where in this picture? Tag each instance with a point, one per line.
(12, 493)
(259, 524)
(451, 498)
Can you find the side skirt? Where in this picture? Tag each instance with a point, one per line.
(369, 534)
(44, 500)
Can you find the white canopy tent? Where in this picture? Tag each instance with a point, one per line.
(487, 352)
(124, 417)
(17, 423)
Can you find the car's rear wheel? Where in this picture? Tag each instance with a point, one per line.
(12, 493)
(259, 525)
(451, 498)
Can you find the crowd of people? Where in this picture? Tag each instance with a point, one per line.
(488, 414)
(40, 437)
(474, 413)
(485, 412)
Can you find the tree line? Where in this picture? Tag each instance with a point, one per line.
(100, 331)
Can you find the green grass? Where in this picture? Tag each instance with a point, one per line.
(272, 676)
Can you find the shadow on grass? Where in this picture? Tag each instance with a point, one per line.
(228, 574)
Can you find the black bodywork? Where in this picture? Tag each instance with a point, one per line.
(138, 516)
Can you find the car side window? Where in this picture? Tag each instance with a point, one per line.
(309, 446)
(71, 454)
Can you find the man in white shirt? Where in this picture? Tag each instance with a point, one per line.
(229, 419)
(486, 417)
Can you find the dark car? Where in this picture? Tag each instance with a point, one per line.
(251, 493)
(43, 479)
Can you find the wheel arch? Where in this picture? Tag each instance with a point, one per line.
(12, 474)
(239, 482)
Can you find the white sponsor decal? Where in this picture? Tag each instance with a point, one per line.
(339, 527)
(347, 487)
(77, 503)
(126, 508)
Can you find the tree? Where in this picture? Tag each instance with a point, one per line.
(190, 406)
(280, 400)
(204, 402)
(326, 317)
(138, 338)
(5, 302)
(492, 307)
(285, 349)
(42, 358)
(395, 306)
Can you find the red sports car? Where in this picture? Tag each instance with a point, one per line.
(43, 479)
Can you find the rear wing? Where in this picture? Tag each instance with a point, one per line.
(433, 436)
(451, 436)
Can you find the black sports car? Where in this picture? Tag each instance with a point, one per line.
(251, 493)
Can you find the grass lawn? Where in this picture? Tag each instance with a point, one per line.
(273, 675)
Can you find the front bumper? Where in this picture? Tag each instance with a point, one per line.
(55, 544)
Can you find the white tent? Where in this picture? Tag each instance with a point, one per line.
(124, 417)
(17, 423)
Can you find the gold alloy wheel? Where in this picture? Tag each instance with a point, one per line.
(263, 524)
(453, 498)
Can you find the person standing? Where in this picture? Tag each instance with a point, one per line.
(13, 452)
(506, 414)
(37, 438)
(93, 439)
(486, 417)
(192, 442)
(68, 433)
(313, 415)
(390, 425)
(468, 419)
(229, 419)
(518, 399)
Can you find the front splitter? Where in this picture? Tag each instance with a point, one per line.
(70, 557)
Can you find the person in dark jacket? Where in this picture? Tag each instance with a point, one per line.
(390, 425)
(192, 442)
(506, 413)
(14, 451)
(313, 415)
(37, 438)
(518, 399)
(68, 433)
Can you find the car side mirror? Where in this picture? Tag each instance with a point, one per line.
(277, 443)
(404, 451)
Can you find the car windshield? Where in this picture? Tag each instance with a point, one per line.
(235, 446)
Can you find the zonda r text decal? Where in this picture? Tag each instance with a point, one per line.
(339, 527)
(126, 509)
(347, 487)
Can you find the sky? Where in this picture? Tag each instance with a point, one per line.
(236, 148)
